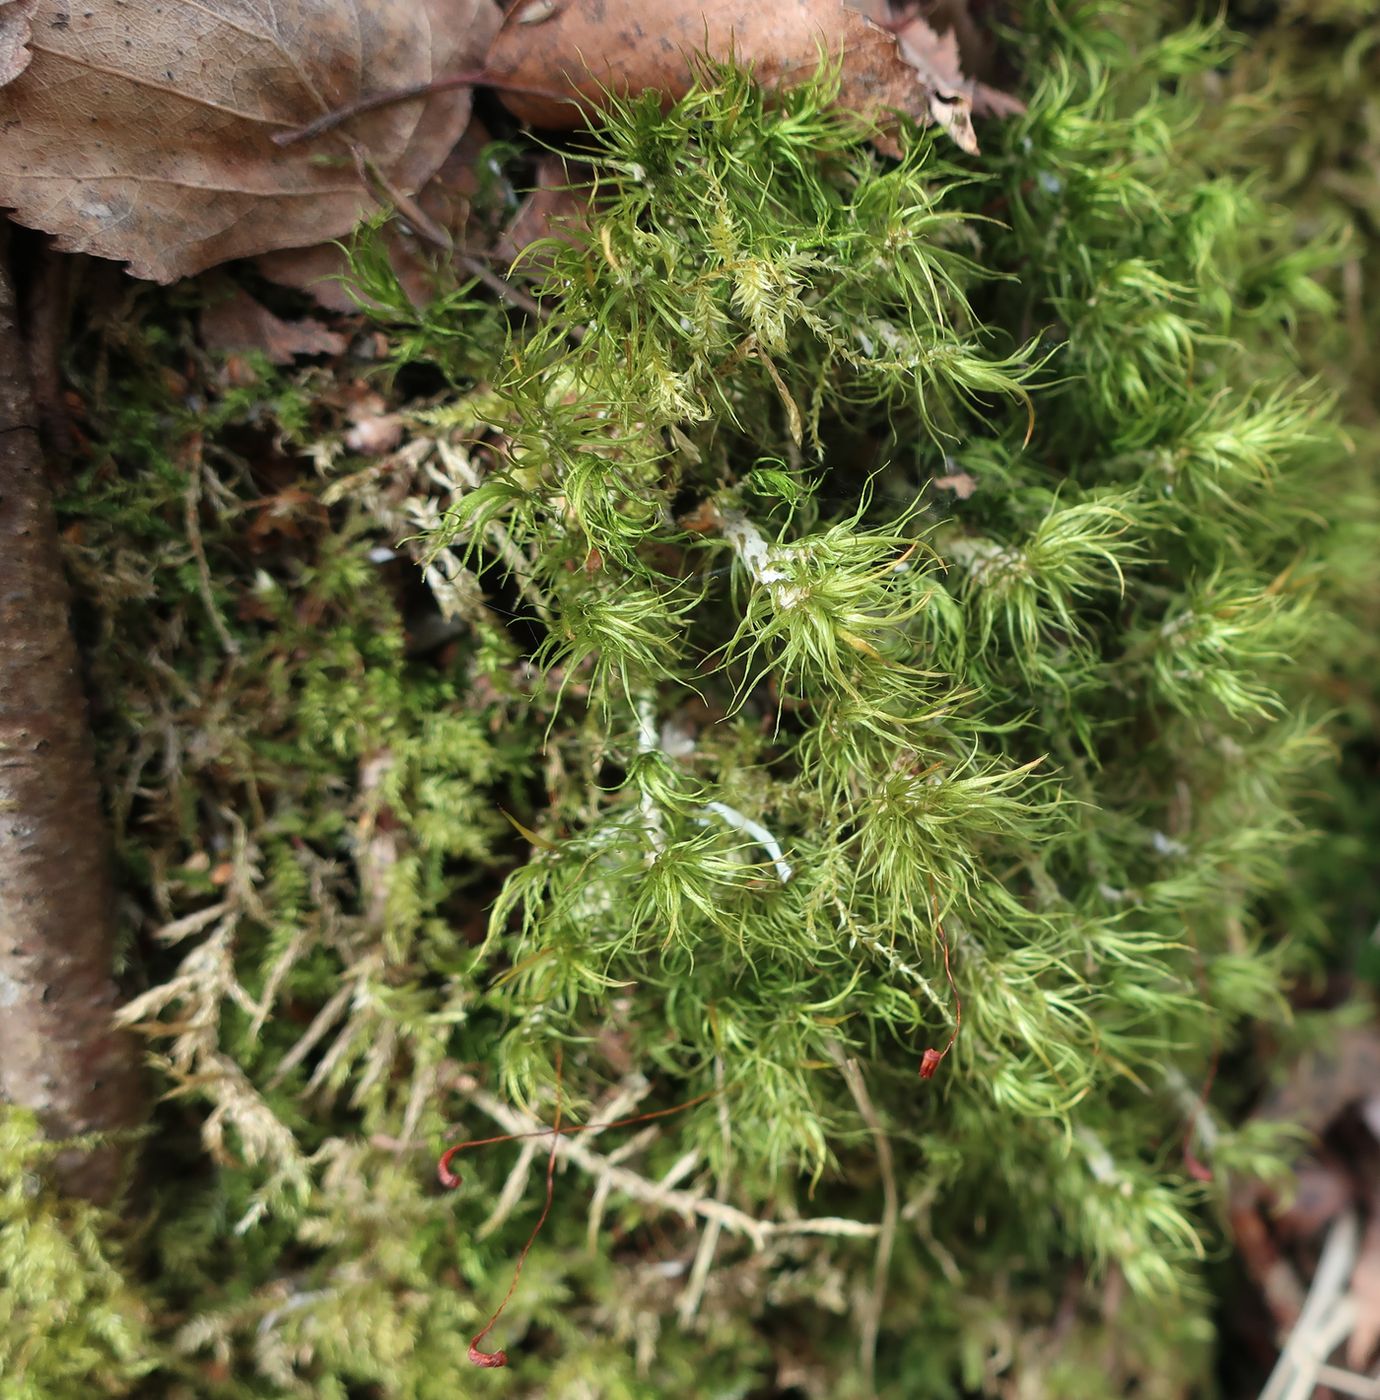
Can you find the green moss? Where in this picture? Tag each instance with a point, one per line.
(866, 572)
(71, 1324)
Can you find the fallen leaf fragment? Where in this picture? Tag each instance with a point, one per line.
(318, 270)
(322, 270)
(959, 482)
(238, 322)
(1322, 1191)
(142, 129)
(556, 207)
(15, 32)
(934, 57)
(630, 46)
(1325, 1081)
(373, 430)
(935, 44)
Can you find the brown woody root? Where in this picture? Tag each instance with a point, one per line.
(60, 1055)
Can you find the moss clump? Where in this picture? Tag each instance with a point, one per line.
(876, 588)
(71, 1322)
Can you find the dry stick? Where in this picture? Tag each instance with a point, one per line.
(60, 1053)
(514, 296)
(1296, 1370)
(191, 519)
(450, 1179)
(493, 1359)
(623, 1099)
(369, 170)
(891, 1210)
(1198, 1116)
(709, 1239)
(476, 77)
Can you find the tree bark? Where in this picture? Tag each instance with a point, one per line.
(60, 1053)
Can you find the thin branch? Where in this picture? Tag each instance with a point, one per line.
(1327, 1317)
(891, 1210)
(513, 1190)
(475, 77)
(504, 290)
(371, 174)
(758, 832)
(620, 1103)
(709, 1238)
(649, 741)
(191, 507)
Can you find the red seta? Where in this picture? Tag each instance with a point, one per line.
(491, 1360)
(931, 1059)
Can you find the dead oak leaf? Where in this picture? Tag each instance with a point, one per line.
(322, 269)
(236, 322)
(142, 129)
(593, 47)
(557, 208)
(15, 30)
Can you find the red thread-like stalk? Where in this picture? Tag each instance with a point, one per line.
(491, 1360)
(451, 1179)
(930, 1060)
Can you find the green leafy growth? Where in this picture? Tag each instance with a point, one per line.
(867, 573)
(71, 1322)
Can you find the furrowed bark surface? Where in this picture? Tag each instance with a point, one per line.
(60, 1055)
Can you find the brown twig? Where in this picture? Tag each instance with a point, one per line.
(514, 296)
(475, 77)
(891, 1211)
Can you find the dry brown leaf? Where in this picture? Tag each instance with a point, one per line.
(629, 46)
(1322, 1190)
(373, 429)
(238, 322)
(15, 29)
(556, 207)
(321, 269)
(878, 11)
(934, 57)
(142, 129)
(959, 482)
